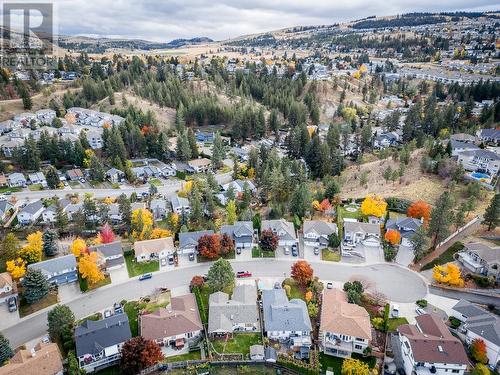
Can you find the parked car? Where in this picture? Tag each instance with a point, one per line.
(12, 304)
(145, 276)
(316, 250)
(191, 257)
(241, 274)
(294, 251)
(329, 286)
(420, 311)
(277, 285)
(287, 250)
(82, 180)
(163, 262)
(118, 308)
(170, 259)
(238, 250)
(3, 197)
(107, 313)
(395, 311)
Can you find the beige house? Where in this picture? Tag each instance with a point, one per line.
(345, 327)
(156, 249)
(200, 165)
(43, 359)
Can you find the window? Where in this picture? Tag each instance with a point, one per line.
(359, 347)
(455, 371)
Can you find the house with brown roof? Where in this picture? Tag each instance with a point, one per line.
(345, 327)
(156, 249)
(8, 288)
(43, 359)
(200, 165)
(177, 325)
(429, 348)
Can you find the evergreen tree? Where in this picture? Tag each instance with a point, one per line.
(193, 146)
(61, 217)
(492, 214)
(300, 202)
(6, 351)
(52, 177)
(35, 286)
(183, 150)
(27, 102)
(441, 217)
(49, 243)
(9, 249)
(218, 152)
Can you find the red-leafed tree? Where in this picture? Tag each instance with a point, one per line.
(268, 240)
(106, 234)
(420, 209)
(325, 205)
(197, 281)
(302, 272)
(209, 246)
(478, 351)
(138, 354)
(226, 244)
(392, 236)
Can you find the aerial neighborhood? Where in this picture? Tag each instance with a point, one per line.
(312, 200)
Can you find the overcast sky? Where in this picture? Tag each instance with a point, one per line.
(165, 20)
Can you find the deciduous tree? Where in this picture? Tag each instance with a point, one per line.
(268, 240)
(231, 215)
(9, 248)
(78, 247)
(197, 281)
(35, 286)
(160, 233)
(89, 269)
(209, 246)
(142, 224)
(374, 205)
(137, 354)
(392, 236)
(420, 209)
(16, 268)
(32, 251)
(302, 272)
(448, 274)
(226, 244)
(351, 366)
(106, 235)
(481, 369)
(478, 351)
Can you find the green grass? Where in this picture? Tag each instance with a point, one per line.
(191, 356)
(202, 259)
(446, 257)
(295, 290)
(95, 317)
(138, 268)
(155, 182)
(394, 323)
(257, 252)
(240, 343)
(85, 287)
(6, 189)
(35, 187)
(343, 213)
(133, 308)
(49, 300)
(330, 256)
(335, 363)
(202, 294)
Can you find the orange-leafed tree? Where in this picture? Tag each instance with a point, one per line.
(78, 247)
(374, 205)
(420, 209)
(448, 274)
(478, 351)
(89, 268)
(325, 205)
(302, 272)
(226, 244)
(209, 246)
(137, 354)
(392, 236)
(308, 296)
(16, 268)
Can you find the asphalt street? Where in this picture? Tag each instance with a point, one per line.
(395, 283)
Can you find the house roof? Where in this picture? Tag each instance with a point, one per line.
(342, 317)
(91, 337)
(483, 154)
(201, 162)
(33, 207)
(490, 133)
(5, 279)
(188, 239)
(463, 137)
(283, 315)
(281, 225)
(178, 202)
(432, 342)
(356, 226)
(108, 249)
(480, 321)
(465, 145)
(320, 227)
(409, 223)
(182, 316)
(51, 266)
(224, 312)
(468, 309)
(488, 254)
(5, 206)
(155, 246)
(45, 359)
(239, 229)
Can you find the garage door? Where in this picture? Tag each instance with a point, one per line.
(371, 242)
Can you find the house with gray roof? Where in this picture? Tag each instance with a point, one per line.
(180, 205)
(241, 232)
(316, 232)
(5, 210)
(489, 135)
(458, 146)
(16, 180)
(115, 175)
(188, 241)
(158, 207)
(483, 161)
(407, 227)
(58, 271)
(481, 259)
(49, 215)
(283, 229)
(238, 314)
(239, 186)
(30, 213)
(356, 232)
(98, 343)
(480, 324)
(37, 178)
(111, 254)
(287, 321)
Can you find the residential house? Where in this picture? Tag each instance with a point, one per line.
(72, 209)
(45, 116)
(74, 174)
(200, 165)
(463, 137)
(111, 254)
(156, 249)
(241, 232)
(114, 214)
(177, 325)
(30, 213)
(98, 343)
(385, 140)
(94, 137)
(345, 327)
(429, 348)
(317, 232)
(407, 227)
(3, 180)
(58, 271)
(238, 314)
(188, 241)
(238, 187)
(115, 175)
(49, 215)
(356, 232)
(180, 205)
(43, 359)
(37, 178)
(481, 259)
(458, 146)
(8, 287)
(484, 161)
(489, 135)
(283, 229)
(16, 180)
(6, 209)
(205, 137)
(480, 324)
(287, 321)
(158, 207)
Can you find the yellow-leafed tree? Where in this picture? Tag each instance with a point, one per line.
(142, 224)
(448, 274)
(352, 366)
(160, 233)
(89, 269)
(231, 215)
(78, 247)
(374, 205)
(32, 251)
(16, 268)
(316, 206)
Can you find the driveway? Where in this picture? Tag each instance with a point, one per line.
(405, 256)
(246, 254)
(309, 254)
(119, 275)
(69, 292)
(7, 318)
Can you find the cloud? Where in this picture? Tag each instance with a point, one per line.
(222, 19)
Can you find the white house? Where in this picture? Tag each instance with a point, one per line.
(30, 213)
(356, 232)
(180, 205)
(480, 160)
(316, 232)
(16, 180)
(283, 229)
(156, 249)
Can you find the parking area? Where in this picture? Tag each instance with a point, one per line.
(7, 318)
(365, 254)
(118, 275)
(405, 255)
(245, 254)
(308, 251)
(68, 292)
(285, 252)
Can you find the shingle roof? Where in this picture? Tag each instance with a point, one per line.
(154, 246)
(468, 309)
(321, 227)
(109, 249)
(33, 207)
(480, 321)
(46, 360)
(240, 229)
(91, 337)
(283, 315)
(281, 225)
(177, 202)
(188, 239)
(488, 254)
(51, 266)
(356, 226)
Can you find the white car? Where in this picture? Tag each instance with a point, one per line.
(329, 286)
(420, 311)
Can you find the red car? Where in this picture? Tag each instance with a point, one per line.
(240, 274)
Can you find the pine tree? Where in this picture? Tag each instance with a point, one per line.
(61, 217)
(49, 243)
(193, 146)
(27, 102)
(35, 286)
(441, 217)
(492, 214)
(218, 152)
(6, 351)
(52, 177)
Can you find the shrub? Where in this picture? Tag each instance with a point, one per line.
(398, 204)
(454, 322)
(422, 303)
(483, 281)
(378, 323)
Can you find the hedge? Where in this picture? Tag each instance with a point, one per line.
(398, 204)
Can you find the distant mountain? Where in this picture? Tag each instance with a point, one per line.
(176, 43)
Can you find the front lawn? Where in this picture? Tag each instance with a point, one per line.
(202, 294)
(155, 182)
(6, 189)
(191, 356)
(85, 287)
(135, 268)
(394, 323)
(296, 291)
(330, 256)
(240, 343)
(446, 257)
(257, 252)
(35, 187)
(49, 300)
